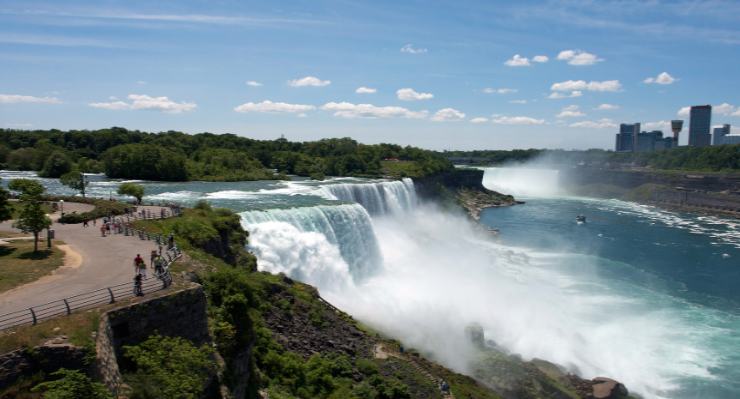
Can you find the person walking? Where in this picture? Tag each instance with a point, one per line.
(84, 223)
(139, 265)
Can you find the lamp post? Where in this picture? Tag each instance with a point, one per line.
(61, 206)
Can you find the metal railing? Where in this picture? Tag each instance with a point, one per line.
(102, 296)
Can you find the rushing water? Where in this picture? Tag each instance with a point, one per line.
(638, 294)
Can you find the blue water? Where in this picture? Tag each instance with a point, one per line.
(684, 263)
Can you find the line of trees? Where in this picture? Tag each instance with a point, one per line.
(713, 158)
(177, 156)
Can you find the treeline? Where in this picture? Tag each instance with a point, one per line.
(713, 158)
(176, 156)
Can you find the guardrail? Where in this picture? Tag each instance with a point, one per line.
(65, 306)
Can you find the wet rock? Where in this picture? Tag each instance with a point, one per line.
(606, 388)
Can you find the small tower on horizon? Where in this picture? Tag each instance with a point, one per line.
(676, 127)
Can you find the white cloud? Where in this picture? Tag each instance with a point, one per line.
(723, 109)
(503, 90)
(518, 101)
(604, 123)
(253, 83)
(517, 61)
(410, 49)
(479, 119)
(448, 115)
(309, 81)
(663, 78)
(556, 96)
(349, 110)
(365, 90)
(19, 98)
(571, 111)
(736, 113)
(408, 94)
(145, 102)
(517, 120)
(540, 58)
(684, 111)
(607, 107)
(578, 57)
(273, 107)
(112, 105)
(665, 126)
(571, 85)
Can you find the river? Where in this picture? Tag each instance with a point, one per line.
(638, 294)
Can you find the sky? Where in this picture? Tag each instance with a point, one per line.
(442, 75)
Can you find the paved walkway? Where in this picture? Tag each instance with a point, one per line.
(91, 262)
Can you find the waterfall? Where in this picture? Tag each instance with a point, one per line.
(388, 197)
(336, 238)
(520, 181)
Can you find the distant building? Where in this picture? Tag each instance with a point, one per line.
(731, 139)
(627, 138)
(720, 133)
(699, 126)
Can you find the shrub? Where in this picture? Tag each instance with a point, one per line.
(169, 368)
(72, 384)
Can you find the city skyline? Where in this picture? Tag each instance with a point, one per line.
(556, 74)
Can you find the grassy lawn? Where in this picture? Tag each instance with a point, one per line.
(78, 327)
(400, 168)
(19, 265)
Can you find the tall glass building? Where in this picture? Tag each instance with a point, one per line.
(700, 125)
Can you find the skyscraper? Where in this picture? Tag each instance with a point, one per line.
(699, 125)
(627, 137)
(718, 138)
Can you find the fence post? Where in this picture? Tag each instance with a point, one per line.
(112, 298)
(69, 311)
(33, 315)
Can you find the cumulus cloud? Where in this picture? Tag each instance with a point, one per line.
(349, 110)
(146, 102)
(410, 49)
(365, 90)
(479, 119)
(578, 57)
(274, 107)
(657, 125)
(517, 120)
(448, 115)
(684, 111)
(518, 101)
(19, 98)
(309, 81)
(503, 90)
(408, 94)
(663, 78)
(556, 95)
(607, 107)
(111, 105)
(253, 83)
(540, 58)
(517, 61)
(604, 123)
(723, 109)
(572, 85)
(571, 111)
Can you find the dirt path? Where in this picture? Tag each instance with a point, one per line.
(381, 352)
(91, 262)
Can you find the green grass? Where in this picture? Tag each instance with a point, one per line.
(78, 327)
(20, 265)
(401, 168)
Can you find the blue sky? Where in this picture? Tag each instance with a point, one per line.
(436, 74)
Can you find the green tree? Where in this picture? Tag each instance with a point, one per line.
(55, 165)
(32, 218)
(132, 189)
(169, 368)
(75, 180)
(6, 212)
(72, 384)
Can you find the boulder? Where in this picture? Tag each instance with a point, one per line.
(606, 388)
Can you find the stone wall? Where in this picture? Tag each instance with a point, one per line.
(179, 314)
